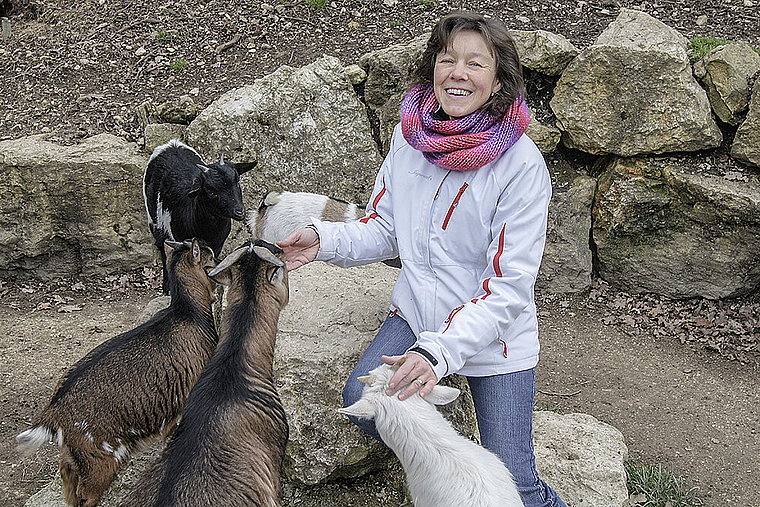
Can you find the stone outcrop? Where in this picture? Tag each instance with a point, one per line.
(68, 210)
(633, 92)
(746, 146)
(660, 225)
(726, 72)
(332, 315)
(543, 51)
(567, 262)
(306, 128)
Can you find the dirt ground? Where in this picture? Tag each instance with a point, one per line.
(679, 379)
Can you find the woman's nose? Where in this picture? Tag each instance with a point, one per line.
(459, 71)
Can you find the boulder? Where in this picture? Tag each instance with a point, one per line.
(746, 145)
(567, 263)
(389, 74)
(543, 51)
(181, 111)
(661, 225)
(726, 71)
(68, 210)
(581, 458)
(632, 92)
(546, 137)
(306, 127)
(332, 315)
(157, 134)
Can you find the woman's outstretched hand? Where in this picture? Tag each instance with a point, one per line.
(300, 247)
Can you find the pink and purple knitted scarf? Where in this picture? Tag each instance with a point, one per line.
(460, 144)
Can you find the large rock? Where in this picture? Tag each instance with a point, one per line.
(746, 146)
(306, 127)
(67, 210)
(633, 92)
(661, 226)
(389, 74)
(727, 71)
(581, 458)
(567, 263)
(543, 51)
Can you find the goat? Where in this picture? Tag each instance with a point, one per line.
(186, 198)
(229, 446)
(443, 468)
(130, 389)
(281, 213)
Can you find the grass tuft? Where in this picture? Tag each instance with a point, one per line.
(655, 487)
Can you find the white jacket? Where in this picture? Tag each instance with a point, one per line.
(470, 244)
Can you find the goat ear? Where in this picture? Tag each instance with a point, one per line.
(442, 395)
(169, 246)
(196, 248)
(276, 276)
(367, 379)
(196, 188)
(227, 262)
(244, 167)
(362, 409)
(265, 254)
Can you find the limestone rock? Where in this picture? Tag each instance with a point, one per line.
(388, 80)
(633, 92)
(546, 137)
(182, 111)
(661, 225)
(67, 210)
(157, 134)
(567, 263)
(581, 458)
(306, 128)
(746, 146)
(543, 51)
(727, 71)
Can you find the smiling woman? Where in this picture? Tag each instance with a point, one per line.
(462, 199)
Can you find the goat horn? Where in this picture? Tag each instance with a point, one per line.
(227, 261)
(268, 256)
(367, 379)
(221, 159)
(173, 244)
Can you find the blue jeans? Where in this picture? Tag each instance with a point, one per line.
(503, 406)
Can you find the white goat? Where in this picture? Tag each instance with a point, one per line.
(281, 213)
(443, 468)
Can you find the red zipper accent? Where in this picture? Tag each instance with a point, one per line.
(451, 317)
(505, 347)
(454, 205)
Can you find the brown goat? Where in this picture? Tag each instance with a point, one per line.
(230, 443)
(131, 388)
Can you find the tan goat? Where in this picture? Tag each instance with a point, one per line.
(131, 388)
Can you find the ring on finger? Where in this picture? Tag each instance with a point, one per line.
(420, 382)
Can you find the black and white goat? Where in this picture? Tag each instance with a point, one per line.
(131, 388)
(187, 198)
(229, 446)
(443, 468)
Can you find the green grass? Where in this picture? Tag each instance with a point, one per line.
(316, 5)
(700, 46)
(661, 488)
(180, 65)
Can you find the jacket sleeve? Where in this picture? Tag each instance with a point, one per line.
(370, 239)
(506, 286)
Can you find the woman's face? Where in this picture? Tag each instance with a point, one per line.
(465, 74)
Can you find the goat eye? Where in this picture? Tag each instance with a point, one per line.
(275, 276)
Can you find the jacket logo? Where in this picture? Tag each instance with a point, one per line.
(419, 174)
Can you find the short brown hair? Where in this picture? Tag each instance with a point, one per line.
(508, 68)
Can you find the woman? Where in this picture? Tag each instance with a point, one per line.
(462, 199)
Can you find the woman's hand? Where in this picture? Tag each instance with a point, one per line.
(415, 371)
(300, 247)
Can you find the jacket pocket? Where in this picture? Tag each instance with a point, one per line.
(454, 205)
